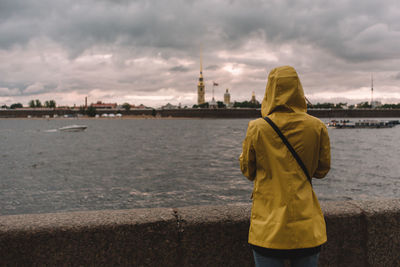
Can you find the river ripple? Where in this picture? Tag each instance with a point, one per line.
(138, 163)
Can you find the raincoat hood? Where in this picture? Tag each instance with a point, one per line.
(284, 92)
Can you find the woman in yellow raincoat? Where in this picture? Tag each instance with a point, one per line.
(286, 219)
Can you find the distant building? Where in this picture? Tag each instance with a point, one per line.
(169, 106)
(213, 103)
(253, 98)
(141, 106)
(376, 104)
(100, 105)
(227, 98)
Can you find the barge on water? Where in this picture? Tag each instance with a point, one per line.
(346, 124)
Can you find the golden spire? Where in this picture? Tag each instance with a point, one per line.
(201, 82)
(201, 61)
(200, 85)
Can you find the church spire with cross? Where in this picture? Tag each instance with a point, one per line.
(200, 85)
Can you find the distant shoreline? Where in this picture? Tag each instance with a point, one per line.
(127, 117)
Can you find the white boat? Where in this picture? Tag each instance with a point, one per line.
(73, 128)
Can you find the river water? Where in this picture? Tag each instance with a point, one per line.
(138, 163)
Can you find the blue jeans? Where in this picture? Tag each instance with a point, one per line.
(308, 261)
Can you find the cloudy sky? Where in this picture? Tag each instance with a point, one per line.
(148, 51)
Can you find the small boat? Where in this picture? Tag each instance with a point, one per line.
(73, 128)
(336, 123)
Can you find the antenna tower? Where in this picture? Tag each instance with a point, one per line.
(372, 90)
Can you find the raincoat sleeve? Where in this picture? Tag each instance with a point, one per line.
(324, 162)
(248, 156)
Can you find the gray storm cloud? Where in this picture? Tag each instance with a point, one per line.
(139, 47)
(343, 28)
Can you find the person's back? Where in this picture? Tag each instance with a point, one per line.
(286, 216)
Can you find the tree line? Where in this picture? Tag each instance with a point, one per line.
(236, 104)
(37, 104)
(33, 104)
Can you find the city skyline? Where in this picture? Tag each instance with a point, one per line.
(148, 52)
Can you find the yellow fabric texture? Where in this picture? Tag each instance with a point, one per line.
(285, 211)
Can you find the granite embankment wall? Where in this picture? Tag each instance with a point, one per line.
(207, 113)
(359, 234)
(255, 113)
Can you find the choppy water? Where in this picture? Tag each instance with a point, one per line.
(120, 164)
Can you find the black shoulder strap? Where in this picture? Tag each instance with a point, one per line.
(289, 146)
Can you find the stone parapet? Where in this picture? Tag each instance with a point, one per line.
(359, 234)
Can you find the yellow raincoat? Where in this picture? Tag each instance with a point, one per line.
(285, 212)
